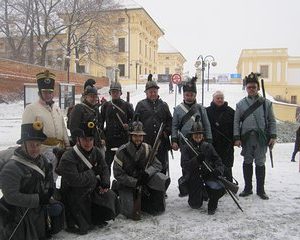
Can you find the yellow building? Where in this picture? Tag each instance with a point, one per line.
(170, 60)
(281, 74)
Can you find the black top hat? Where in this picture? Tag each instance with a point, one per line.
(32, 131)
(85, 129)
(252, 78)
(190, 86)
(197, 126)
(45, 80)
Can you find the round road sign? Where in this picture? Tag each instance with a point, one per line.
(176, 78)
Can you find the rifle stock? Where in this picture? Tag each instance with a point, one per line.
(229, 185)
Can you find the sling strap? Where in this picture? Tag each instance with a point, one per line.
(118, 108)
(82, 157)
(260, 101)
(189, 115)
(28, 164)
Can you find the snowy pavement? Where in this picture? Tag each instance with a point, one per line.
(274, 219)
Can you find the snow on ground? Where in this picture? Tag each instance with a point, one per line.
(275, 219)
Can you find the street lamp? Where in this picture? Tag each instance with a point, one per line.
(202, 61)
(136, 73)
(210, 60)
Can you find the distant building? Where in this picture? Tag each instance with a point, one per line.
(281, 74)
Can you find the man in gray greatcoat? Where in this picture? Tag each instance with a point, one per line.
(27, 185)
(254, 133)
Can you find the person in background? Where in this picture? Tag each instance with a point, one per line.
(254, 133)
(296, 146)
(221, 118)
(116, 115)
(27, 185)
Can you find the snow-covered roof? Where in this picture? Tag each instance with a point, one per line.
(129, 4)
(165, 47)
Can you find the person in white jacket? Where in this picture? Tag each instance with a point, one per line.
(49, 114)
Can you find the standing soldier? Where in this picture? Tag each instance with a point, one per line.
(49, 114)
(152, 112)
(184, 117)
(255, 131)
(221, 117)
(137, 187)
(86, 110)
(116, 114)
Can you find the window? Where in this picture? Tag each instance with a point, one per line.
(121, 20)
(140, 47)
(264, 70)
(81, 69)
(121, 44)
(294, 99)
(167, 58)
(81, 47)
(167, 70)
(122, 70)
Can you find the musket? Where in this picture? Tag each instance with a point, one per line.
(14, 231)
(230, 187)
(136, 215)
(270, 147)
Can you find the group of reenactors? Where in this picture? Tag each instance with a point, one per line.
(51, 179)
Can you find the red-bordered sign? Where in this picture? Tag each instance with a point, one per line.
(176, 78)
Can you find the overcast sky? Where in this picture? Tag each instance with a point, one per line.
(223, 28)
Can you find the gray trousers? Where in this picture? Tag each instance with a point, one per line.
(253, 151)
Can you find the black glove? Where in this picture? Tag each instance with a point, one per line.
(44, 198)
(216, 173)
(104, 185)
(143, 179)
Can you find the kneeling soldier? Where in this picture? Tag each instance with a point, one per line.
(141, 185)
(27, 209)
(201, 183)
(85, 183)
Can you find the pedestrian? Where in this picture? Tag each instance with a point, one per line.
(141, 186)
(45, 111)
(184, 117)
(153, 111)
(296, 146)
(171, 86)
(85, 183)
(221, 118)
(254, 131)
(27, 208)
(201, 183)
(116, 115)
(88, 109)
(179, 85)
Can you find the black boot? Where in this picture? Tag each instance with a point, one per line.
(260, 182)
(212, 206)
(293, 156)
(248, 172)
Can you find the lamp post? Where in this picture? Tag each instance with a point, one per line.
(136, 73)
(210, 61)
(203, 61)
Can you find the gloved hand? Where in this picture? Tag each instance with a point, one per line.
(44, 198)
(216, 173)
(104, 185)
(143, 179)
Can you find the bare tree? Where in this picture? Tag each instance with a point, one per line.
(14, 25)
